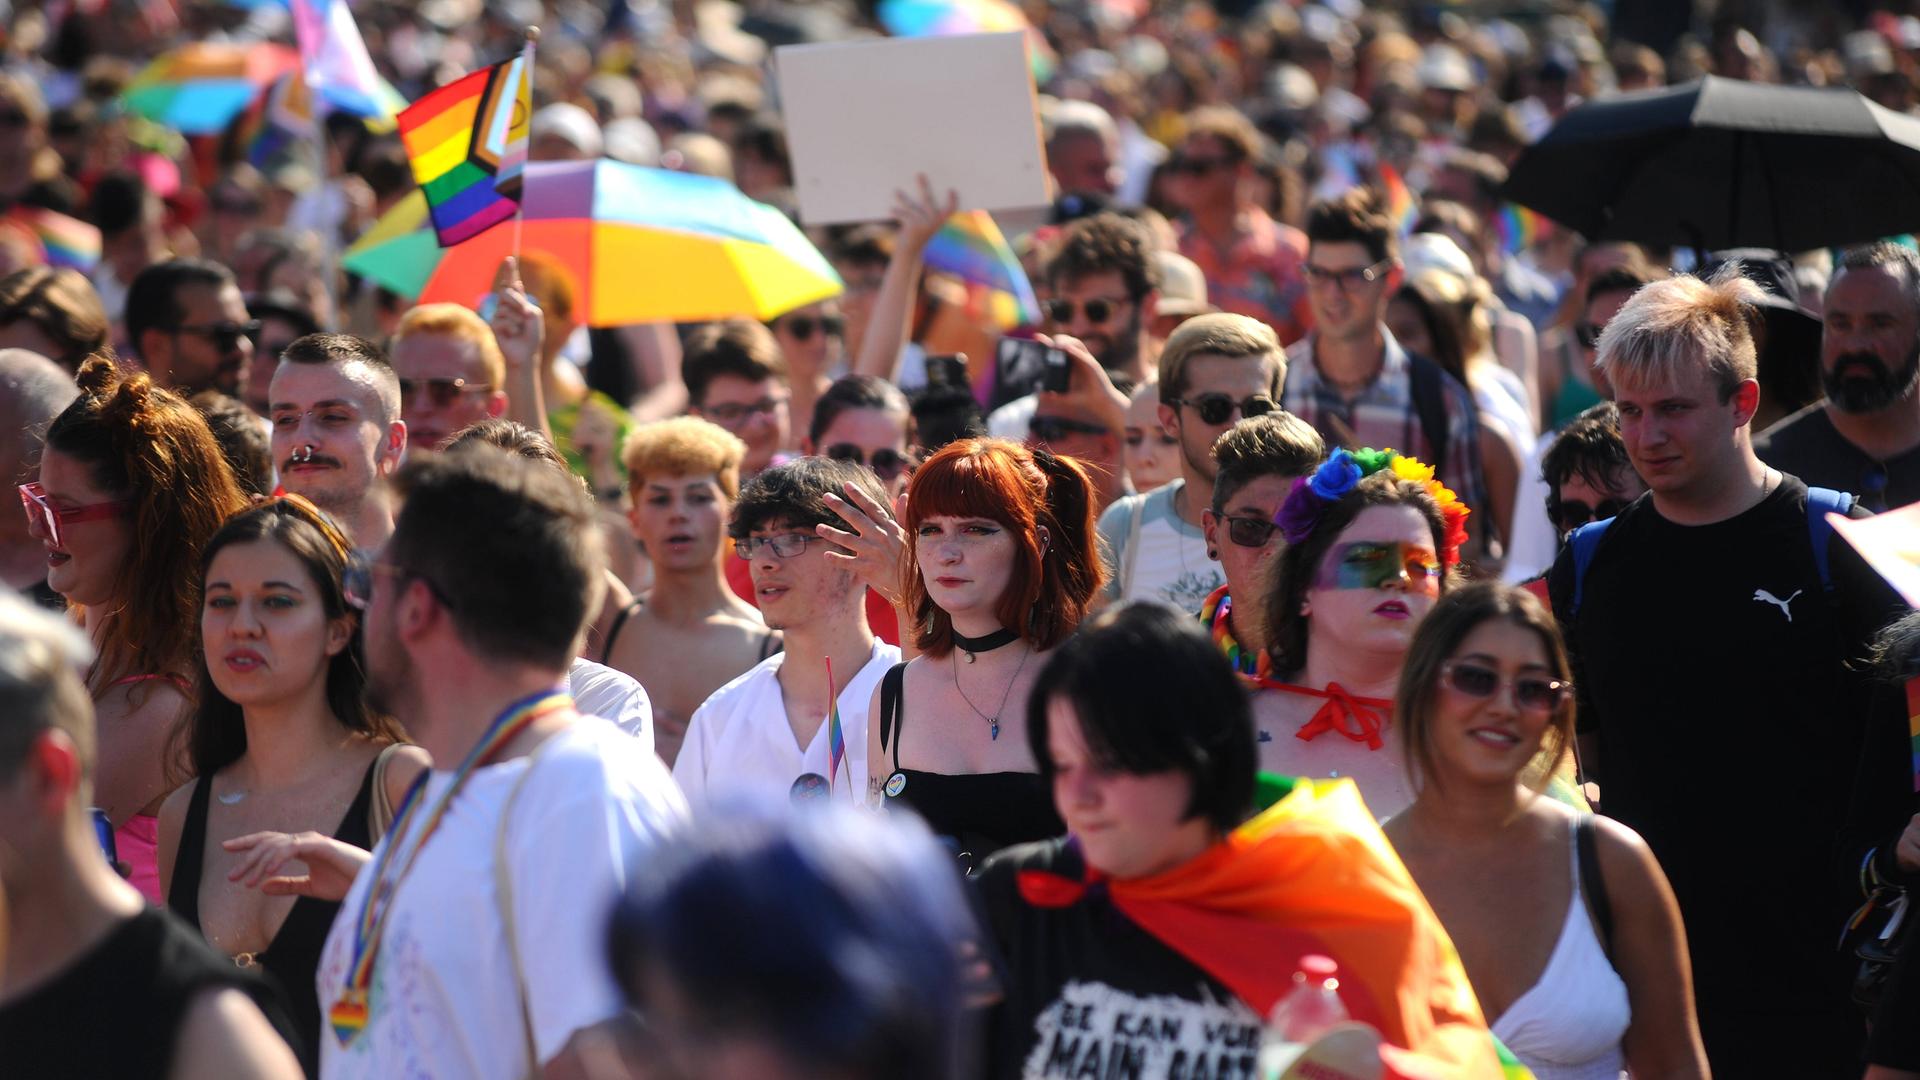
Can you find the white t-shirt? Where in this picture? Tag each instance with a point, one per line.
(739, 744)
(444, 1000)
(601, 691)
(1157, 556)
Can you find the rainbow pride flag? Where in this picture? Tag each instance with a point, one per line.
(836, 738)
(467, 142)
(1518, 228)
(971, 247)
(1400, 205)
(67, 241)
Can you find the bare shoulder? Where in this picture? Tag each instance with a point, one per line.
(403, 768)
(149, 702)
(1629, 864)
(224, 1034)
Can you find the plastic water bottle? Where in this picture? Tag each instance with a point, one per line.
(1312, 1006)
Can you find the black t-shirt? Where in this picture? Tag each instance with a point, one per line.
(1808, 446)
(1718, 677)
(1090, 993)
(116, 1011)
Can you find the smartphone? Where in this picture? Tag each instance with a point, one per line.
(103, 832)
(948, 369)
(1026, 363)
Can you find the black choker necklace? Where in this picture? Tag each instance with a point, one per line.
(973, 646)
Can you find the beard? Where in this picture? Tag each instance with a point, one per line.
(1860, 382)
(389, 687)
(1118, 351)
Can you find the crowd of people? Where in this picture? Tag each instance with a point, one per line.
(1347, 592)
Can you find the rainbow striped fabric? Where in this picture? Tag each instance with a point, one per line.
(1400, 205)
(836, 738)
(468, 145)
(67, 241)
(1518, 227)
(971, 247)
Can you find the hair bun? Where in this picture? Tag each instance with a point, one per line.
(98, 376)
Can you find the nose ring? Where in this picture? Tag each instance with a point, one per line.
(304, 453)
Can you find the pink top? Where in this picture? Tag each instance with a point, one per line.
(138, 841)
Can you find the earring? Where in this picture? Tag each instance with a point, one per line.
(1214, 554)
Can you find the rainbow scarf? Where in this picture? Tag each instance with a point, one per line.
(1313, 874)
(1255, 668)
(348, 1015)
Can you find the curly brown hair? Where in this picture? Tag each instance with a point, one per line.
(1102, 243)
(153, 449)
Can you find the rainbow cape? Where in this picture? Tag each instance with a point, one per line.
(1313, 874)
(467, 142)
(972, 248)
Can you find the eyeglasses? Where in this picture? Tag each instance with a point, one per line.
(886, 463)
(732, 413)
(1346, 279)
(224, 335)
(1198, 166)
(1531, 693)
(802, 327)
(1215, 408)
(1248, 532)
(356, 580)
(1588, 335)
(441, 392)
(1570, 515)
(1098, 310)
(33, 499)
(786, 545)
(14, 119)
(1059, 428)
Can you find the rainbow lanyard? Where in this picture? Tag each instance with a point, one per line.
(1913, 727)
(348, 1016)
(1255, 669)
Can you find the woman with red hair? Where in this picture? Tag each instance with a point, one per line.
(1001, 569)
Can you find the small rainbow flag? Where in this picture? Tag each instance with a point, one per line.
(68, 242)
(1518, 227)
(1913, 726)
(1400, 205)
(468, 145)
(971, 247)
(836, 738)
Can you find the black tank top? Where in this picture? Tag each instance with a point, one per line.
(768, 643)
(117, 1010)
(976, 813)
(293, 955)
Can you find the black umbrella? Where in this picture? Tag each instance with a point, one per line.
(1721, 163)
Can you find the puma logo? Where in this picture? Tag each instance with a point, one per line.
(1766, 597)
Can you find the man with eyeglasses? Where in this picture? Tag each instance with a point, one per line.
(767, 735)
(1257, 460)
(1251, 262)
(337, 432)
(1865, 437)
(1215, 371)
(451, 371)
(188, 323)
(1351, 380)
(736, 378)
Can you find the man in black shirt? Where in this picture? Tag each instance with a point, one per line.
(1717, 705)
(92, 981)
(1865, 437)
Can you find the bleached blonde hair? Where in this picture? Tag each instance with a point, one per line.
(1684, 323)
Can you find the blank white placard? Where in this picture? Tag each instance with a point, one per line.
(864, 118)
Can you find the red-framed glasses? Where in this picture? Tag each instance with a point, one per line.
(33, 498)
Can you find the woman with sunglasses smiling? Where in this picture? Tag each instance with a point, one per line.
(1371, 541)
(284, 746)
(1565, 922)
(810, 340)
(132, 486)
(1002, 568)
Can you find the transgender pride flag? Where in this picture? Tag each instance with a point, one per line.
(337, 65)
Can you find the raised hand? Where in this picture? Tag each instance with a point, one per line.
(517, 322)
(920, 215)
(875, 548)
(331, 864)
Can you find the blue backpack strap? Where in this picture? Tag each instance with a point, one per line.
(1821, 502)
(1584, 541)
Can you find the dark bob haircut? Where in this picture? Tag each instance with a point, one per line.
(1153, 694)
(795, 495)
(833, 937)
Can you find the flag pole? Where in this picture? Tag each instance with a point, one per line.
(519, 205)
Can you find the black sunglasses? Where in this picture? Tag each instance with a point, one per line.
(1098, 310)
(1248, 532)
(1571, 514)
(802, 327)
(442, 392)
(1215, 408)
(1057, 428)
(1197, 166)
(886, 463)
(14, 119)
(1588, 335)
(224, 335)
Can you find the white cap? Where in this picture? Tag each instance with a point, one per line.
(633, 140)
(1183, 288)
(1442, 67)
(1434, 251)
(572, 123)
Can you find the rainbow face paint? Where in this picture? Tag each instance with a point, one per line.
(1371, 564)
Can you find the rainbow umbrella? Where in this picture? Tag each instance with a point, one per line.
(943, 18)
(198, 89)
(641, 245)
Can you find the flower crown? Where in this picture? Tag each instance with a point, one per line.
(1343, 469)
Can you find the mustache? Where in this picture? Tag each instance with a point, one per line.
(302, 459)
(1870, 361)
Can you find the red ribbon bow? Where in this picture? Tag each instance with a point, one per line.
(1357, 718)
